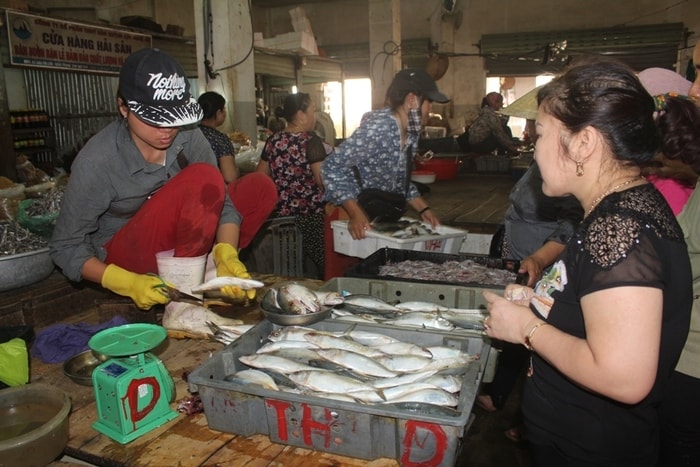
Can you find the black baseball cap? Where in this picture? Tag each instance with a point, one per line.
(156, 89)
(419, 82)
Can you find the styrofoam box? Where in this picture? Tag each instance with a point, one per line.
(301, 42)
(447, 240)
(411, 433)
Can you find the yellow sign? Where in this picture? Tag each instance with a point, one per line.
(41, 42)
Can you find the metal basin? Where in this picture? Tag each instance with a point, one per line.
(79, 367)
(24, 269)
(33, 424)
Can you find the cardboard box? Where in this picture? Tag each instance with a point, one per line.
(447, 240)
(412, 434)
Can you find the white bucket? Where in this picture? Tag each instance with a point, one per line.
(183, 272)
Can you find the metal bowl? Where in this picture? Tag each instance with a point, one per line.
(79, 367)
(24, 269)
(278, 316)
(286, 319)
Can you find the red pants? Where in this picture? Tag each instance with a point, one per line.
(184, 216)
(255, 197)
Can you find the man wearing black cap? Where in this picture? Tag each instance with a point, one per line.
(143, 185)
(379, 154)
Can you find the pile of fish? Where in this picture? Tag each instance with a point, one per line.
(403, 229)
(356, 366)
(425, 315)
(461, 272)
(296, 299)
(15, 239)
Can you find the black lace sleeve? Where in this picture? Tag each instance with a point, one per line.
(622, 242)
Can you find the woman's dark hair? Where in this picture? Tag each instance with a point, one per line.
(679, 126)
(395, 95)
(293, 103)
(608, 96)
(211, 102)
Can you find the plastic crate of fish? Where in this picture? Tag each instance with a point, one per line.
(487, 271)
(444, 240)
(413, 433)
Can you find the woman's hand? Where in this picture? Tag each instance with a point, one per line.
(430, 217)
(358, 225)
(508, 320)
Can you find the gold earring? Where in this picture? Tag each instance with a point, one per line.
(579, 168)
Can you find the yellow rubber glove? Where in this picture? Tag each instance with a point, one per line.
(228, 264)
(145, 290)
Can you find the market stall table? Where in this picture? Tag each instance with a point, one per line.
(186, 440)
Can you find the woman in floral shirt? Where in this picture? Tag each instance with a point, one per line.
(380, 152)
(293, 157)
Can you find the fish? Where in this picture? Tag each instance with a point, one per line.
(390, 226)
(253, 377)
(363, 318)
(360, 303)
(277, 346)
(369, 338)
(455, 363)
(306, 356)
(443, 351)
(269, 301)
(421, 320)
(326, 381)
(227, 333)
(274, 363)
(294, 333)
(435, 396)
(406, 378)
(405, 348)
(329, 298)
(469, 321)
(297, 299)
(325, 341)
(193, 319)
(223, 281)
(449, 383)
(404, 363)
(356, 363)
(415, 305)
(415, 229)
(396, 392)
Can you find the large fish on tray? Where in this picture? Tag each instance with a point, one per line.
(297, 299)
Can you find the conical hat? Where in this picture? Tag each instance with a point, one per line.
(523, 107)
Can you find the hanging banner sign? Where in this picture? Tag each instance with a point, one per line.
(41, 42)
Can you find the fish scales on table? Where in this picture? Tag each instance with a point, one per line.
(453, 271)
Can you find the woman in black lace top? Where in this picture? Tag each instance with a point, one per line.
(607, 322)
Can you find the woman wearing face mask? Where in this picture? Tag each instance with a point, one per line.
(380, 152)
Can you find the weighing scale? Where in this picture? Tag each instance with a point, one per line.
(133, 389)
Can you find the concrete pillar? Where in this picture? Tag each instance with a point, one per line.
(230, 52)
(384, 43)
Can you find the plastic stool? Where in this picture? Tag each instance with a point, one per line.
(287, 251)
